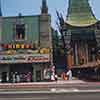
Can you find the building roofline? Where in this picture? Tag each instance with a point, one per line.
(38, 15)
(82, 25)
(80, 17)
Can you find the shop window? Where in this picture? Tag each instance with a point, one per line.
(20, 31)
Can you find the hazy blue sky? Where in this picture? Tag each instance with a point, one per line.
(32, 7)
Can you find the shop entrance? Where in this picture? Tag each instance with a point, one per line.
(4, 73)
(4, 77)
(38, 76)
(20, 73)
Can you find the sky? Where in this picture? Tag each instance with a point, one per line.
(32, 7)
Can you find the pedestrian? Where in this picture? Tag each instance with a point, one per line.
(29, 77)
(69, 74)
(17, 78)
(14, 79)
(11, 77)
(56, 77)
(52, 77)
(63, 75)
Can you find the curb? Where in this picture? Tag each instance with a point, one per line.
(50, 92)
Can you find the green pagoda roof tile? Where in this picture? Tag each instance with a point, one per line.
(80, 13)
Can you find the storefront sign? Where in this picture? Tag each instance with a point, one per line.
(25, 58)
(17, 46)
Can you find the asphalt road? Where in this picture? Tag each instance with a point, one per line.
(87, 91)
(52, 96)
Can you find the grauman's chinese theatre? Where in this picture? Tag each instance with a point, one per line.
(25, 45)
(81, 31)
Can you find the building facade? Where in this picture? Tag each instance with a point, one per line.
(25, 46)
(81, 32)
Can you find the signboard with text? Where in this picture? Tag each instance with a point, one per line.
(22, 58)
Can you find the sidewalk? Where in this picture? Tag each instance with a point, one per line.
(38, 84)
(42, 85)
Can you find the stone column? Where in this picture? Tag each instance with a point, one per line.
(76, 54)
(69, 60)
(86, 46)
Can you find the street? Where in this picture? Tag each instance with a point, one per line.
(52, 96)
(61, 90)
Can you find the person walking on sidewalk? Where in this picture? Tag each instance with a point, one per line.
(69, 74)
(56, 77)
(52, 77)
(52, 73)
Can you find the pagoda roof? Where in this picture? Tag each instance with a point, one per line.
(80, 13)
